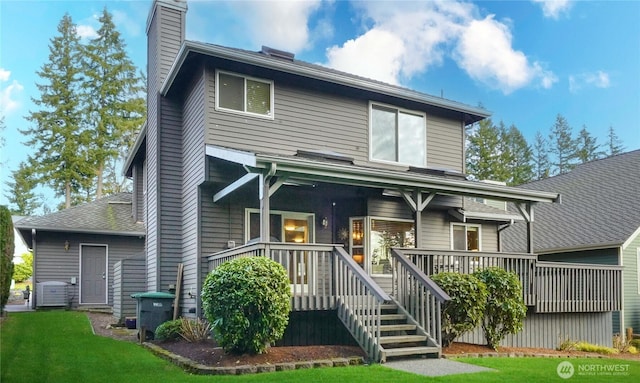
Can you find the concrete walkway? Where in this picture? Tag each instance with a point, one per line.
(18, 308)
(434, 367)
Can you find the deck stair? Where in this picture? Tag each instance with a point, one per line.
(402, 337)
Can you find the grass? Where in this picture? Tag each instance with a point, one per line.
(59, 346)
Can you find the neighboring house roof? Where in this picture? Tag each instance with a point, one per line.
(108, 215)
(600, 207)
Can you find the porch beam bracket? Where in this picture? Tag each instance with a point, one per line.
(419, 203)
(525, 210)
(277, 184)
(234, 186)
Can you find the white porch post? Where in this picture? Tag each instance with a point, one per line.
(265, 222)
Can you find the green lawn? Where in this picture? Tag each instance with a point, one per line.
(58, 346)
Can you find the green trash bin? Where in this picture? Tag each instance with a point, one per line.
(152, 310)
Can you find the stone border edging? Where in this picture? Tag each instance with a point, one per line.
(522, 355)
(189, 365)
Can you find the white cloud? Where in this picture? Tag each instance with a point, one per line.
(554, 8)
(278, 24)
(362, 56)
(597, 79)
(86, 32)
(485, 52)
(8, 93)
(416, 36)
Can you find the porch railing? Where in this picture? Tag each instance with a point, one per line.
(309, 266)
(418, 294)
(359, 303)
(549, 287)
(575, 287)
(433, 262)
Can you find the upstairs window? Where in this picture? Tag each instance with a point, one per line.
(398, 136)
(465, 237)
(245, 95)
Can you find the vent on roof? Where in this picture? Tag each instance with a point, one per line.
(277, 53)
(324, 155)
(439, 172)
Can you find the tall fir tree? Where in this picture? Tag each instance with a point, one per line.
(57, 135)
(587, 147)
(541, 163)
(482, 153)
(518, 158)
(562, 145)
(116, 107)
(21, 196)
(614, 143)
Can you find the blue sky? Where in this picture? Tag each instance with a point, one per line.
(525, 61)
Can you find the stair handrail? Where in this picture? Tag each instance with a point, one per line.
(359, 303)
(426, 306)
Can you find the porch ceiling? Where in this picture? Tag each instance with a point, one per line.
(341, 172)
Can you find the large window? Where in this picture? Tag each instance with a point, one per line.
(465, 237)
(398, 136)
(244, 94)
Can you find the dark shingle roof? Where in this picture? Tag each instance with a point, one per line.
(108, 215)
(600, 207)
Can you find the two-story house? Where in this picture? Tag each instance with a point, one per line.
(356, 187)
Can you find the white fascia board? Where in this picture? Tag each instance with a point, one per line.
(231, 155)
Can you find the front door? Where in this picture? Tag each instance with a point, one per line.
(93, 274)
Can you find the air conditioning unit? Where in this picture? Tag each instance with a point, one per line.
(52, 293)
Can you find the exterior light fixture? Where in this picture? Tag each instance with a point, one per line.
(66, 245)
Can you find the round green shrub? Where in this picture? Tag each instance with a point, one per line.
(465, 310)
(505, 310)
(247, 301)
(169, 330)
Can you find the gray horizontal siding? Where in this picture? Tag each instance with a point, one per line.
(313, 119)
(129, 278)
(631, 286)
(53, 263)
(548, 330)
(193, 175)
(444, 144)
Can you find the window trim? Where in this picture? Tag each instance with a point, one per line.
(270, 116)
(284, 214)
(466, 225)
(398, 110)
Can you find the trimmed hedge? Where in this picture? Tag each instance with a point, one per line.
(6, 255)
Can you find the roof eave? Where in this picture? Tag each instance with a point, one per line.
(84, 231)
(187, 47)
(126, 169)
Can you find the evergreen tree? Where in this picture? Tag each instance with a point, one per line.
(615, 145)
(541, 164)
(518, 157)
(21, 195)
(116, 108)
(58, 136)
(563, 145)
(483, 152)
(587, 147)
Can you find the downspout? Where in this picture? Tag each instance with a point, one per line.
(500, 229)
(34, 293)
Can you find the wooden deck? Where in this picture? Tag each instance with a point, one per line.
(325, 277)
